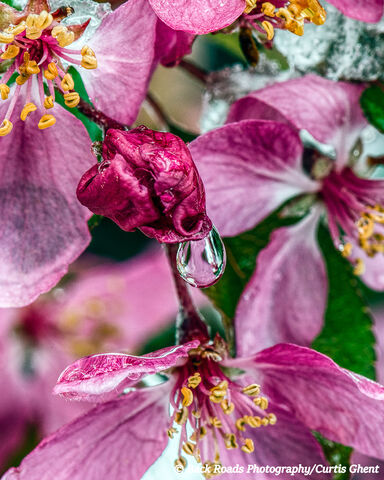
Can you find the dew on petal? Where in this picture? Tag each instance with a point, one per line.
(201, 263)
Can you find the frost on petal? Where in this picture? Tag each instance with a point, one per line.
(124, 47)
(115, 440)
(286, 297)
(198, 16)
(341, 405)
(329, 111)
(104, 376)
(363, 10)
(249, 169)
(44, 227)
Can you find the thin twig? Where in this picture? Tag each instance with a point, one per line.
(195, 71)
(99, 117)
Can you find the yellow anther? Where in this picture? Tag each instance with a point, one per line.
(67, 82)
(180, 463)
(265, 421)
(16, 29)
(251, 390)
(227, 407)
(346, 250)
(36, 23)
(181, 416)
(218, 392)
(230, 441)
(250, 5)
(6, 37)
(4, 91)
(253, 422)
(314, 12)
(63, 36)
(5, 128)
(32, 68)
(188, 448)
(89, 61)
(51, 72)
(359, 268)
(188, 397)
(269, 30)
(71, 99)
(11, 52)
(215, 422)
(28, 108)
(196, 413)
(365, 226)
(171, 431)
(49, 102)
(261, 402)
(268, 9)
(21, 79)
(194, 381)
(272, 418)
(248, 446)
(46, 121)
(240, 422)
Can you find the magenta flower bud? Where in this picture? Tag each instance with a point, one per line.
(147, 180)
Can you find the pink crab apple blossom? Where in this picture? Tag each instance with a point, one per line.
(363, 10)
(98, 311)
(147, 180)
(263, 414)
(258, 161)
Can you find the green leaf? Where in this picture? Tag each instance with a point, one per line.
(241, 259)
(347, 334)
(372, 103)
(337, 455)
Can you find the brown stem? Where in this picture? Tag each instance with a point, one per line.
(158, 111)
(195, 71)
(189, 324)
(99, 117)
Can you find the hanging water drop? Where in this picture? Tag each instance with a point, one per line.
(201, 263)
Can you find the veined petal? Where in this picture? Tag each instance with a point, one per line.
(44, 227)
(115, 440)
(341, 405)
(104, 376)
(328, 110)
(249, 169)
(171, 45)
(286, 297)
(363, 10)
(124, 47)
(198, 16)
(373, 275)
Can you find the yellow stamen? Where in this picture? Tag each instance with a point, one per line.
(359, 268)
(63, 36)
(4, 91)
(188, 448)
(261, 402)
(365, 226)
(171, 431)
(180, 463)
(181, 416)
(6, 37)
(215, 422)
(28, 108)
(49, 102)
(227, 407)
(11, 52)
(268, 27)
(46, 121)
(188, 397)
(51, 72)
(240, 422)
(21, 79)
(248, 446)
(272, 418)
(71, 99)
(88, 60)
(250, 5)
(346, 249)
(5, 128)
(67, 82)
(194, 381)
(32, 68)
(16, 29)
(218, 392)
(253, 422)
(36, 23)
(230, 441)
(268, 9)
(252, 390)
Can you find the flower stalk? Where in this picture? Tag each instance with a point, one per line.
(99, 117)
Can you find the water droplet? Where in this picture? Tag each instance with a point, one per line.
(201, 263)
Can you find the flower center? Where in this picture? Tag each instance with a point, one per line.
(218, 411)
(289, 15)
(37, 46)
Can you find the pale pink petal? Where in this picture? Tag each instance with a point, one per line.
(44, 226)
(363, 10)
(115, 440)
(198, 16)
(124, 47)
(373, 275)
(286, 297)
(341, 405)
(249, 169)
(329, 111)
(100, 377)
(360, 462)
(288, 442)
(171, 45)
(378, 315)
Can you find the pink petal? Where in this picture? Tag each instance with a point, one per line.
(341, 405)
(115, 440)
(124, 47)
(363, 10)
(329, 111)
(171, 45)
(373, 275)
(100, 377)
(44, 226)
(249, 169)
(198, 16)
(286, 296)
(360, 461)
(378, 315)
